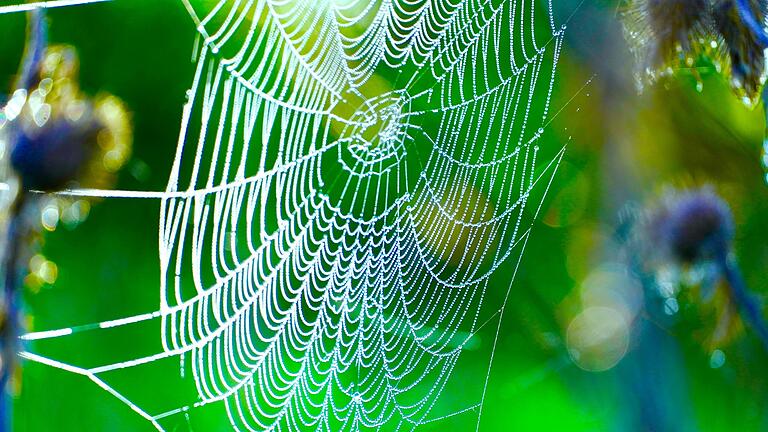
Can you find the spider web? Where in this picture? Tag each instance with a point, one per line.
(348, 176)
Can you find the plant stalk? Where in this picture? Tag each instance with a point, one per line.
(746, 302)
(18, 231)
(750, 21)
(13, 267)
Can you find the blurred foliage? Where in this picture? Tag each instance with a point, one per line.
(623, 147)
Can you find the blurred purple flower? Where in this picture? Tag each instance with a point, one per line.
(58, 136)
(693, 226)
(689, 228)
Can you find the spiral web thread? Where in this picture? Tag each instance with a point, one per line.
(347, 178)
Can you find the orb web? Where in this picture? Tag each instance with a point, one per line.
(348, 176)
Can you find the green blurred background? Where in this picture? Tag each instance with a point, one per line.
(624, 148)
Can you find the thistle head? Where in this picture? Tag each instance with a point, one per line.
(743, 49)
(58, 136)
(693, 226)
(661, 33)
(666, 35)
(674, 26)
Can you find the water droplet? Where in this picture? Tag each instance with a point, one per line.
(16, 104)
(42, 115)
(717, 359)
(50, 217)
(48, 272)
(670, 306)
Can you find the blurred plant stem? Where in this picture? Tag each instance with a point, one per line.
(13, 265)
(748, 18)
(18, 233)
(743, 298)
